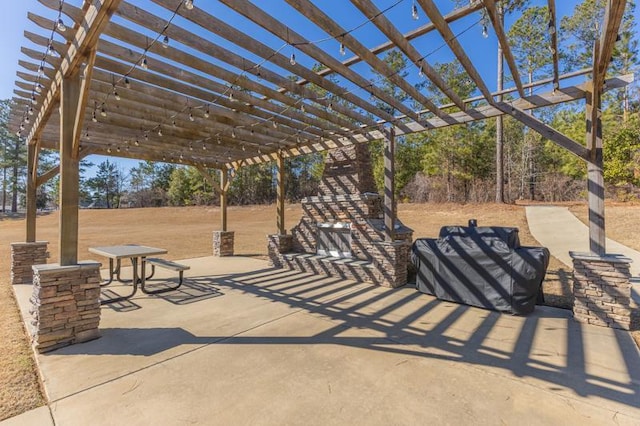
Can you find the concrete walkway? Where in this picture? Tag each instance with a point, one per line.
(242, 343)
(560, 231)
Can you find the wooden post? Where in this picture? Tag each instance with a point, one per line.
(389, 185)
(32, 150)
(223, 199)
(280, 195)
(69, 172)
(595, 183)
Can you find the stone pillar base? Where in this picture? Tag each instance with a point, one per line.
(23, 257)
(602, 290)
(391, 263)
(276, 245)
(223, 243)
(66, 305)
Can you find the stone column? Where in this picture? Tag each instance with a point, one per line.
(602, 290)
(391, 262)
(223, 243)
(23, 257)
(276, 245)
(66, 305)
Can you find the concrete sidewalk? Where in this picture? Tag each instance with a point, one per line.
(242, 343)
(560, 231)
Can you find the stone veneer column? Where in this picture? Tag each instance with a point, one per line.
(391, 262)
(276, 245)
(66, 305)
(601, 290)
(223, 243)
(23, 257)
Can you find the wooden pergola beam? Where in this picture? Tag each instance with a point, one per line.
(372, 12)
(613, 14)
(450, 38)
(553, 29)
(331, 27)
(94, 21)
(496, 22)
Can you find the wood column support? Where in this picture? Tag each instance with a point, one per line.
(224, 186)
(69, 171)
(32, 153)
(280, 195)
(389, 185)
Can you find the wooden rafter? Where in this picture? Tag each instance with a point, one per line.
(95, 19)
(449, 37)
(613, 13)
(496, 22)
(553, 29)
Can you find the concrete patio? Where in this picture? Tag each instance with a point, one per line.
(242, 343)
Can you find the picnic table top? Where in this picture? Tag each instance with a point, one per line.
(127, 250)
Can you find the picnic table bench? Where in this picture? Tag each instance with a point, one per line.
(166, 264)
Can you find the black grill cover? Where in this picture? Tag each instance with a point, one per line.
(481, 266)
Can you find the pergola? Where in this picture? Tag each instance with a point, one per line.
(182, 85)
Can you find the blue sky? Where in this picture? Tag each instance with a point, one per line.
(13, 21)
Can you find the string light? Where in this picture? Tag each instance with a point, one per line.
(127, 83)
(144, 64)
(93, 117)
(165, 41)
(552, 27)
(206, 112)
(414, 11)
(30, 112)
(191, 117)
(103, 111)
(421, 70)
(60, 26)
(39, 87)
(188, 4)
(343, 50)
(116, 95)
(292, 59)
(485, 31)
(160, 131)
(40, 70)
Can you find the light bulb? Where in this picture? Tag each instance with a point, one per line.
(40, 70)
(137, 142)
(93, 117)
(190, 147)
(116, 94)
(204, 147)
(30, 111)
(146, 136)
(173, 123)
(21, 126)
(330, 106)
(127, 83)
(109, 150)
(343, 51)
(39, 87)
(421, 71)
(233, 133)
(552, 27)
(243, 148)
(188, 4)
(191, 117)
(61, 26)
(302, 108)
(118, 148)
(103, 112)
(206, 112)
(160, 132)
(26, 120)
(165, 41)
(274, 124)
(144, 64)
(485, 32)
(292, 59)
(414, 12)
(51, 51)
(231, 96)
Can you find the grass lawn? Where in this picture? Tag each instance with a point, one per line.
(187, 233)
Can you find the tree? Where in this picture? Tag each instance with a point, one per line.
(14, 157)
(107, 184)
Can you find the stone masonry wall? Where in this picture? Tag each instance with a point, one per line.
(66, 305)
(602, 291)
(223, 242)
(23, 257)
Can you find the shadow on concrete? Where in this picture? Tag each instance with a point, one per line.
(402, 323)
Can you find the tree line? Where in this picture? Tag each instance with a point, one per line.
(494, 159)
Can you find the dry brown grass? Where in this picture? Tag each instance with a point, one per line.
(186, 232)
